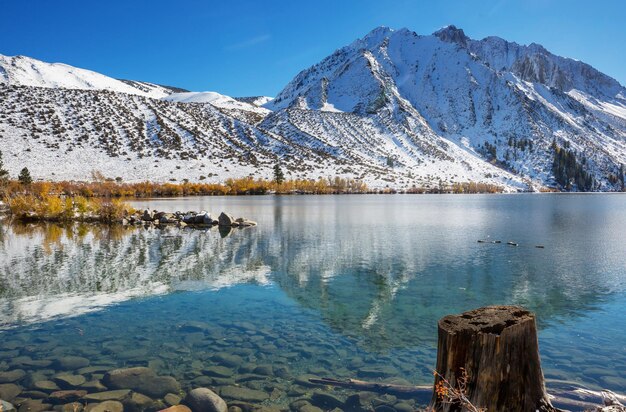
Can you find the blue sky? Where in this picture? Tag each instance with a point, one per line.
(255, 47)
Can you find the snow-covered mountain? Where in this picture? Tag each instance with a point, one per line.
(393, 108)
(25, 71)
(503, 103)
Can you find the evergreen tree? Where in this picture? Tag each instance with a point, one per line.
(568, 171)
(4, 173)
(24, 177)
(389, 161)
(621, 175)
(279, 177)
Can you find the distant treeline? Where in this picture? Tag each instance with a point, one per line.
(243, 186)
(458, 188)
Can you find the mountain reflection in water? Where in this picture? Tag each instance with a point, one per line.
(377, 269)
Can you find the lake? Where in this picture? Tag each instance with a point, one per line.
(332, 286)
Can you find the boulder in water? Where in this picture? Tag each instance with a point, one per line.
(225, 220)
(205, 400)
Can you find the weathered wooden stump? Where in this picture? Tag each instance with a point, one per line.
(497, 348)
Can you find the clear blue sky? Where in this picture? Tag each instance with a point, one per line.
(254, 47)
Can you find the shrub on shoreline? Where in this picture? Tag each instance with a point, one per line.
(243, 186)
(55, 208)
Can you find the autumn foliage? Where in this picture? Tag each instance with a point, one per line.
(243, 186)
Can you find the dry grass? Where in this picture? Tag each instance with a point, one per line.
(455, 395)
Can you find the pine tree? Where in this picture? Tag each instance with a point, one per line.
(279, 177)
(4, 173)
(24, 177)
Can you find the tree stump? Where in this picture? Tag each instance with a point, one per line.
(497, 348)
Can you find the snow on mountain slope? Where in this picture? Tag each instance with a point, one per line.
(63, 134)
(255, 100)
(393, 108)
(25, 71)
(217, 100)
(498, 102)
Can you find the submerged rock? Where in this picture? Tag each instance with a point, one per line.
(377, 372)
(69, 381)
(194, 326)
(384, 408)
(9, 391)
(266, 370)
(310, 408)
(93, 386)
(108, 406)
(205, 400)
(117, 395)
(176, 408)
(141, 379)
(360, 402)
(326, 400)
(403, 407)
(70, 363)
(227, 359)
(34, 405)
(33, 395)
(6, 406)
(58, 397)
(304, 380)
(137, 403)
(46, 385)
(243, 394)
(72, 407)
(12, 376)
(172, 399)
(218, 371)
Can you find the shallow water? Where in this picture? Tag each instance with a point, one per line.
(338, 286)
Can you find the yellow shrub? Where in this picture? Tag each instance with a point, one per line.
(81, 205)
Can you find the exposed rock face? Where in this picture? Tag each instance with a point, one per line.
(205, 400)
(147, 216)
(452, 34)
(141, 379)
(226, 220)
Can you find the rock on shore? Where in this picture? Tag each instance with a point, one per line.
(193, 219)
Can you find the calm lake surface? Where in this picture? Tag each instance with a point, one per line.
(335, 286)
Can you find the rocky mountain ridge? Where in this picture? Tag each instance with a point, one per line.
(393, 108)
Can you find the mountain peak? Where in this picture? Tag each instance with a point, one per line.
(376, 35)
(452, 34)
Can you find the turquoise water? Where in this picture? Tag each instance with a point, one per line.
(335, 286)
